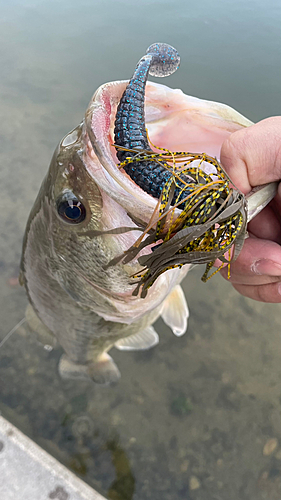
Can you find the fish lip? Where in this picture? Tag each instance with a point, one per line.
(99, 124)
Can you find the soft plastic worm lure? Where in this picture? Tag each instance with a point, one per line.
(130, 132)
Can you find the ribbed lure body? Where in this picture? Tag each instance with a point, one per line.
(130, 133)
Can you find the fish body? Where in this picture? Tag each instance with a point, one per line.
(86, 307)
(75, 297)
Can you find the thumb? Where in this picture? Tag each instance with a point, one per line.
(252, 156)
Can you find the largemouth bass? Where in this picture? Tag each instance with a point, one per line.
(89, 211)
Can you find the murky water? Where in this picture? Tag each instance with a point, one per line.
(198, 417)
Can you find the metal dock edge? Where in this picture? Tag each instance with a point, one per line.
(29, 472)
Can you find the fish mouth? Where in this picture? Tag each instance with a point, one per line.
(174, 121)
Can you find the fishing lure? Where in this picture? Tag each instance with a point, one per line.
(200, 214)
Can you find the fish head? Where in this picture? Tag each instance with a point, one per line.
(84, 170)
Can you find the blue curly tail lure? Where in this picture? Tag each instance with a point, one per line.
(130, 132)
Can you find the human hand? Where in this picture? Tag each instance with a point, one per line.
(252, 156)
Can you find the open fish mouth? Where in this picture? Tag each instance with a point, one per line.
(174, 121)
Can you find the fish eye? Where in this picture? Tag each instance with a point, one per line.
(70, 209)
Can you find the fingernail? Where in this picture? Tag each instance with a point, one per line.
(266, 266)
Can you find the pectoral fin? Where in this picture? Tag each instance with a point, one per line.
(69, 369)
(44, 335)
(175, 311)
(103, 371)
(145, 339)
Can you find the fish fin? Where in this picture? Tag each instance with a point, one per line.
(21, 278)
(175, 311)
(103, 371)
(44, 334)
(145, 339)
(69, 369)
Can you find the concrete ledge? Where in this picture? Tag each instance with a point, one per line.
(29, 472)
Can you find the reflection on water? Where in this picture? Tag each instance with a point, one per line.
(198, 417)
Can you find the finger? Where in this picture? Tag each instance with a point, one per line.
(252, 156)
(266, 225)
(257, 258)
(241, 279)
(263, 293)
(276, 203)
